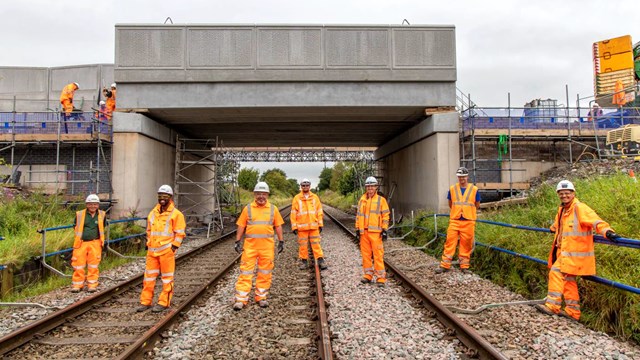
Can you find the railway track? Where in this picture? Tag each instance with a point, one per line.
(107, 325)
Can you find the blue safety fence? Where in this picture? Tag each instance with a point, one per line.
(48, 122)
(625, 242)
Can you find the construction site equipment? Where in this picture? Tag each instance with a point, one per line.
(624, 140)
(613, 63)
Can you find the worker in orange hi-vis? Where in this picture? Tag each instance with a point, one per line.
(165, 232)
(464, 200)
(257, 223)
(572, 252)
(66, 97)
(307, 223)
(110, 95)
(88, 241)
(372, 222)
(619, 95)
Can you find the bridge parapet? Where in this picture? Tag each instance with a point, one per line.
(250, 53)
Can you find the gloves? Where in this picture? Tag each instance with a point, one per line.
(174, 248)
(146, 247)
(611, 235)
(238, 246)
(384, 235)
(280, 246)
(295, 231)
(320, 229)
(358, 234)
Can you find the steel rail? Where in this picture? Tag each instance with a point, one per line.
(324, 332)
(477, 345)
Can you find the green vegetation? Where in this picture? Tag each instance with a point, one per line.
(21, 217)
(276, 197)
(248, 178)
(604, 308)
(343, 202)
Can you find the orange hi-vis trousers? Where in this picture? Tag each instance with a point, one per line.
(260, 250)
(163, 264)
(563, 284)
(88, 254)
(371, 247)
(304, 238)
(463, 230)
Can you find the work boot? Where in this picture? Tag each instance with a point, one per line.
(159, 308)
(381, 284)
(322, 264)
(75, 290)
(365, 281)
(142, 308)
(238, 306)
(91, 290)
(263, 303)
(466, 271)
(544, 309)
(303, 264)
(441, 270)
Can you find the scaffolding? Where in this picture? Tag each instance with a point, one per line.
(33, 134)
(206, 185)
(553, 130)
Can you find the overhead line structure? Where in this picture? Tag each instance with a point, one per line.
(295, 155)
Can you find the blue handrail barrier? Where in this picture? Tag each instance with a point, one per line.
(45, 255)
(625, 242)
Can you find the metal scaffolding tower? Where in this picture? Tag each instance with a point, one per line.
(206, 185)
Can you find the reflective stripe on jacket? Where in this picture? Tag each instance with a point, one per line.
(79, 228)
(67, 92)
(165, 229)
(306, 213)
(373, 214)
(463, 205)
(259, 221)
(574, 226)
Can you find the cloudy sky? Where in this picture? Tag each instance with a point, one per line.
(530, 49)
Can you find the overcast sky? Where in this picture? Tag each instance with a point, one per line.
(528, 48)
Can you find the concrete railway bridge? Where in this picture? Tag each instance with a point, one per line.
(390, 89)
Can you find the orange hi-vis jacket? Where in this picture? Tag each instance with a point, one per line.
(80, 216)
(111, 102)
(67, 92)
(165, 229)
(306, 213)
(260, 221)
(574, 227)
(464, 206)
(373, 214)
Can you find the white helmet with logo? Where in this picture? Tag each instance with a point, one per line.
(165, 189)
(113, 85)
(565, 185)
(371, 181)
(77, 85)
(462, 171)
(261, 187)
(305, 181)
(93, 198)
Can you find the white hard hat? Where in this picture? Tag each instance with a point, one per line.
(165, 189)
(595, 104)
(565, 185)
(93, 198)
(462, 171)
(371, 181)
(261, 187)
(113, 85)
(102, 102)
(78, 85)
(305, 181)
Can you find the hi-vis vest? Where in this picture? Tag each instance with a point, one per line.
(306, 213)
(80, 216)
(165, 229)
(260, 222)
(373, 214)
(574, 236)
(463, 205)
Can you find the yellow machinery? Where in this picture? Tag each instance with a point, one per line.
(624, 140)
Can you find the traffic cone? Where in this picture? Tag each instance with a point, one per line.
(633, 175)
